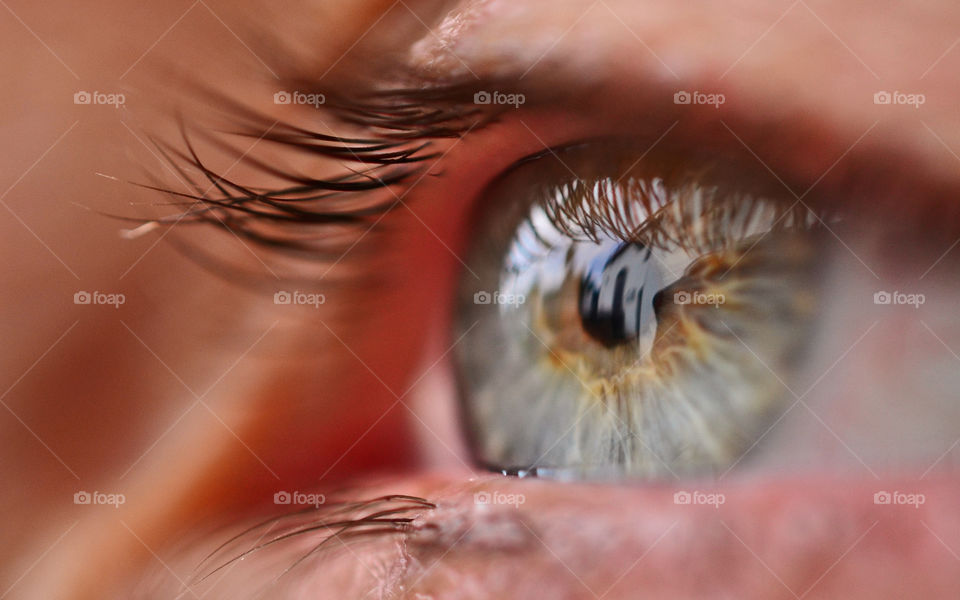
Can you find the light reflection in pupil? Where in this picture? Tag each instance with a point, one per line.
(617, 293)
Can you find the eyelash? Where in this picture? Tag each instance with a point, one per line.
(310, 217)
(697, 217)
(296, 204)
(316, 220)
(383, 517)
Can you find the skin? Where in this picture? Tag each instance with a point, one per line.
(799, 522)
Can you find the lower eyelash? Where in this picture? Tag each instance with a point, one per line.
(273, 549)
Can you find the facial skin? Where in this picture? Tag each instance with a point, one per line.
(198, 401)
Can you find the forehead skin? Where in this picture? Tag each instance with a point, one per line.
(774, 61)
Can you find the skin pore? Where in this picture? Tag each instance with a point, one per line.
(199, 401)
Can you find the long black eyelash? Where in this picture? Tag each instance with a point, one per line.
(219, 200)
(309, 218)
(301, 217)
(418, 113)
(378, 517)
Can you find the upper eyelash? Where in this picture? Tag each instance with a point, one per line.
(402, 124)
(227, 203)
(417, 113)
(637, 210)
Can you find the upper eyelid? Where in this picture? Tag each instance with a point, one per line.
(432, 108)
(415, 116)
(453, 49)
(767, 114)
(429, 109)
(804, 155)
(874, 164)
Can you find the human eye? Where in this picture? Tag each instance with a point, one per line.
(656, 316)
(658, 319)
(556, 300)
(640, 313)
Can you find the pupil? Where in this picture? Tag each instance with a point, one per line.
(617, 293)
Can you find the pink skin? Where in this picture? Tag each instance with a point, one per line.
(790, 538)
(798, 96)
(491, 537)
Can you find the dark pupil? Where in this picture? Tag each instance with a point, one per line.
(616, 293)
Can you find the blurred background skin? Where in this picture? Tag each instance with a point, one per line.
(98, 400)
(196, 400)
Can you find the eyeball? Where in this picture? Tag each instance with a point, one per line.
(635, 324)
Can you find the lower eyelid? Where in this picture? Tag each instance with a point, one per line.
(487, 532)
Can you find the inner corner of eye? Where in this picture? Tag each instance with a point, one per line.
(615, 317)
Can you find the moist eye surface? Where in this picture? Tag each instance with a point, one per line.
(631, 318)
